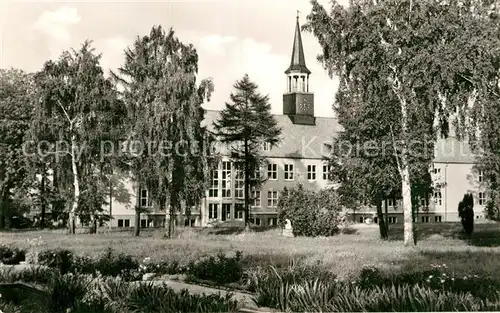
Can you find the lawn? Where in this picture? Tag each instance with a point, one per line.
(343, 254)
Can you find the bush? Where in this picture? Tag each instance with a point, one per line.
(311, 213)
(220, 269)
(466, 213)
(11, 256)
(59, 259)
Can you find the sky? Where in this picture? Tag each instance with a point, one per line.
(232, 37)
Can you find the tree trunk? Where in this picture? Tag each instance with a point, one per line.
(247, 188)
(407, 203)
(381, 224)
(386, 221)
(110, 199)
(4, 207)
(42, 197)
(137, 222)
(76, 186)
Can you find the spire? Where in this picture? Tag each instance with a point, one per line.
(298, 62)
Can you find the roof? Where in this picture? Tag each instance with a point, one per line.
(314, 141)
(297, 141)
(298, 62)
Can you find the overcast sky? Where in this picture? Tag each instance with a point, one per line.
(233, 37)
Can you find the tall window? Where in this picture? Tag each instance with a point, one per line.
(272, 171)
(212, 210)
(144, 198)
(392, 219)
(480, 176)
(266, 146)
(255, 198)
(127, 223)
(437, 219)
(391, 202)
(425, 219)
(424, 202)
(482, 198)
(120, 223)
(289, 172)
(272, 198)
(226, 179)
(326, 171)
(213, 191)
(239, 182)
(438, 199)
(311, 172)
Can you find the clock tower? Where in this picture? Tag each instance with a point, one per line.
(298, 102)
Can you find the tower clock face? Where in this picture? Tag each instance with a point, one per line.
(304, 105)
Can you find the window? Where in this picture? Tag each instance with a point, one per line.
(144, 223)
(375, 220)
(144, 198)
(482, 198)
(226, 211)
(255, 198)
(326, 171)
(226, 179)
(424, 202)
(272, 171)
(212, 210)
(239, 211)
(213, 191)
(480, 176)
(127, 223)
(391, 202)
(120, 223)
(272, 221)
(438, 199)
(311, 172)
(437, 219)
(414, 219)
(272, 198)
(266, 146)
(255, 220)
(239, 182)
(437, 170)
(288, 171)
(392, 219)
(241, 214)
(425, 219)
(361, 219)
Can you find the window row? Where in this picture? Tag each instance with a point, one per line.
(256, 198)
(144, 223)
(289, 172)
(394, 219)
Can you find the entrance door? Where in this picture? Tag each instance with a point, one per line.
(226, 211)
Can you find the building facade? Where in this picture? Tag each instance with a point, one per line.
(300, 157)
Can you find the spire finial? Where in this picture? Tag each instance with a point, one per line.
(298, 12)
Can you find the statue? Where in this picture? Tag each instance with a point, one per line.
(288, 230)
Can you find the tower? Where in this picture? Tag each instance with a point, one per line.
(298, 102)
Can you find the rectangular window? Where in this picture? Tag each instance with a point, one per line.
(120, 223)
(127, 223)
(438, 199)
(239, 182)
(424, 202)
(391, 202)
(239, 210)
(226, 179)
(255, 198)
(144, 223)
(425, 219)
(226, 211)
(272, 198)
(289, 172)
(272, 171)
(311, 172)
(213, 191)
(437, 170)
(437, 219)
(255, 220)
(212, 210)
(144, 198)
(326, 171)
(392, 219)
(266, 146)
(480, 176)
(375, 220)
(482, 198)
(241, 215)
(361, 219)
(272, 221)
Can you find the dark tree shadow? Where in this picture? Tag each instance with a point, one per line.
(487, 238)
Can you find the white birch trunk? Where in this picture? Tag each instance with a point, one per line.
(76, 186)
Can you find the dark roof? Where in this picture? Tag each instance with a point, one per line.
(311, 141)
(297, 141)
(298, 62)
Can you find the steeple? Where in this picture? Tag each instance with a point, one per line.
(298, 62)
(298, 102)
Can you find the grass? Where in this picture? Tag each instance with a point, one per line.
(344, 255)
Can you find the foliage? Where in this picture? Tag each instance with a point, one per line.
(414, 68)
(244, 125)
(11, 256)
(311, 213)
(165, 114)
(220, 269)
(59, 259)
(492, 211)
(466, 213)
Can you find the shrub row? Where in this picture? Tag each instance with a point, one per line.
(219, 269)
(11, 256)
